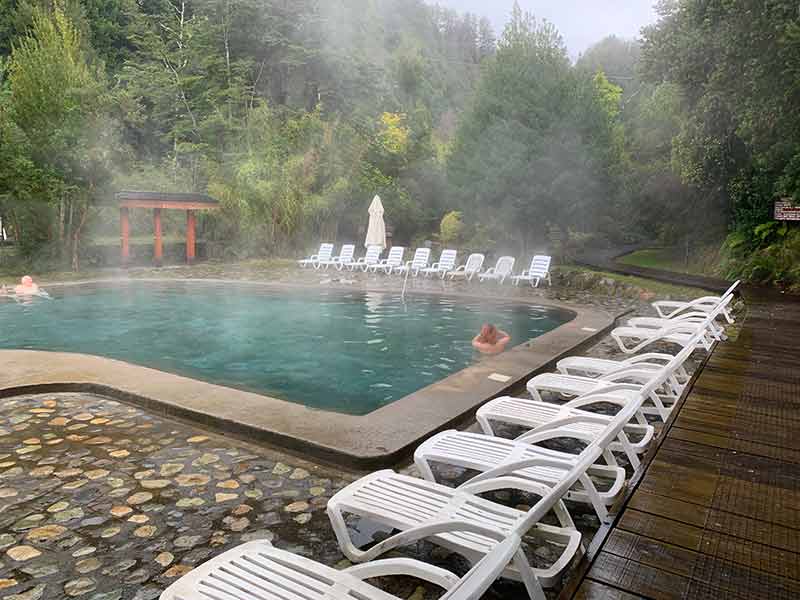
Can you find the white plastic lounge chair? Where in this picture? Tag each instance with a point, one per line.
(540, 269)
(665, 392)
(416, 264)
(422, 509)
(595, 367)
(372, 257)
(575, 417)
(486, 453)
(344, 259)
(259, 571)
(501, 271)
(496, 457)
(447, 262)
(576, 385)
(691, 316)
(679, 333)
(694, 318)
(392, 261)
(536, 415)
(469, 269)
(324, 255)
(668, 309)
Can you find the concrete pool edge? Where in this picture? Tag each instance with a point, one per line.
(380, 438)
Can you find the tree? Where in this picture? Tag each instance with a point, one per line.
(59, 101)
(736, 68)
(536, 146)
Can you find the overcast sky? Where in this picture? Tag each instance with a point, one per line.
(581, 22)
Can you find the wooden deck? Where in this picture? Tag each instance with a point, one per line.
(716, 514)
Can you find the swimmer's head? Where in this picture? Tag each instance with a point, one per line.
(27, 281)
(488, 334)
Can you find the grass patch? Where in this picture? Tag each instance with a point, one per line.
(660, 289)
(702, 260)
(666, 259)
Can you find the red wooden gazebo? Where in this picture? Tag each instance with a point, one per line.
(159, 201)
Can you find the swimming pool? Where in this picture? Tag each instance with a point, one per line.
(348, 352)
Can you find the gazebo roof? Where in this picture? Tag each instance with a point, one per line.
(129, 199)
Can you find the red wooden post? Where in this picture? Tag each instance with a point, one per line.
(158, 250)
(125, 231)
(191, 222)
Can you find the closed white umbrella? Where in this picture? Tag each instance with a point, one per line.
(376, 232)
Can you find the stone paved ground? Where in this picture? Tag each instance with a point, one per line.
(104, 501)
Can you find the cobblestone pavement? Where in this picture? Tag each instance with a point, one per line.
(104, 501)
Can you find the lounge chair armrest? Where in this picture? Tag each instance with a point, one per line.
(607, 395)
(480, 485)
(415, 534)
(640, 366)
(501, 479)
(638, 373)
(648, 356)
(695, 314)
(563, 422)
(544, 434)
(460, 268)
(680, 304)
(404, 567)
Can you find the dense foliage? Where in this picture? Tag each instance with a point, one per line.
(735, 70)
(295, 114)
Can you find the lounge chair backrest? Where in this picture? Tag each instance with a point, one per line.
(505, 265)
(731, 289)
(677, 361)
(474, 263)
(346, 254)
(421, 258)
(447, 260)
(395, 257)
(475, 583)
(487, 570)
(540, 265)
(325, 252)
(373, 255)
(582, 462)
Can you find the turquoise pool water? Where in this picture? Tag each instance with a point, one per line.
(345, 352)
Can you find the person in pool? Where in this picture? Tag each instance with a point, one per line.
(26, 287)
(490, 340)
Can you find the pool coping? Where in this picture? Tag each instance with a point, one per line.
(381, 438)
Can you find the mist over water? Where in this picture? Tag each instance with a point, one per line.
(344, 352)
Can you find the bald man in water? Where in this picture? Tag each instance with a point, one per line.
(26, 287)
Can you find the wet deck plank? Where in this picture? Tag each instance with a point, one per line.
(717, 512)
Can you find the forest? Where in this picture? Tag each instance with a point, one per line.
(295, 113)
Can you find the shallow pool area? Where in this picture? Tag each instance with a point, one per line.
(347, 352)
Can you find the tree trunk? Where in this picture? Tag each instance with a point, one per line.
(76, 237)
(61, 219)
